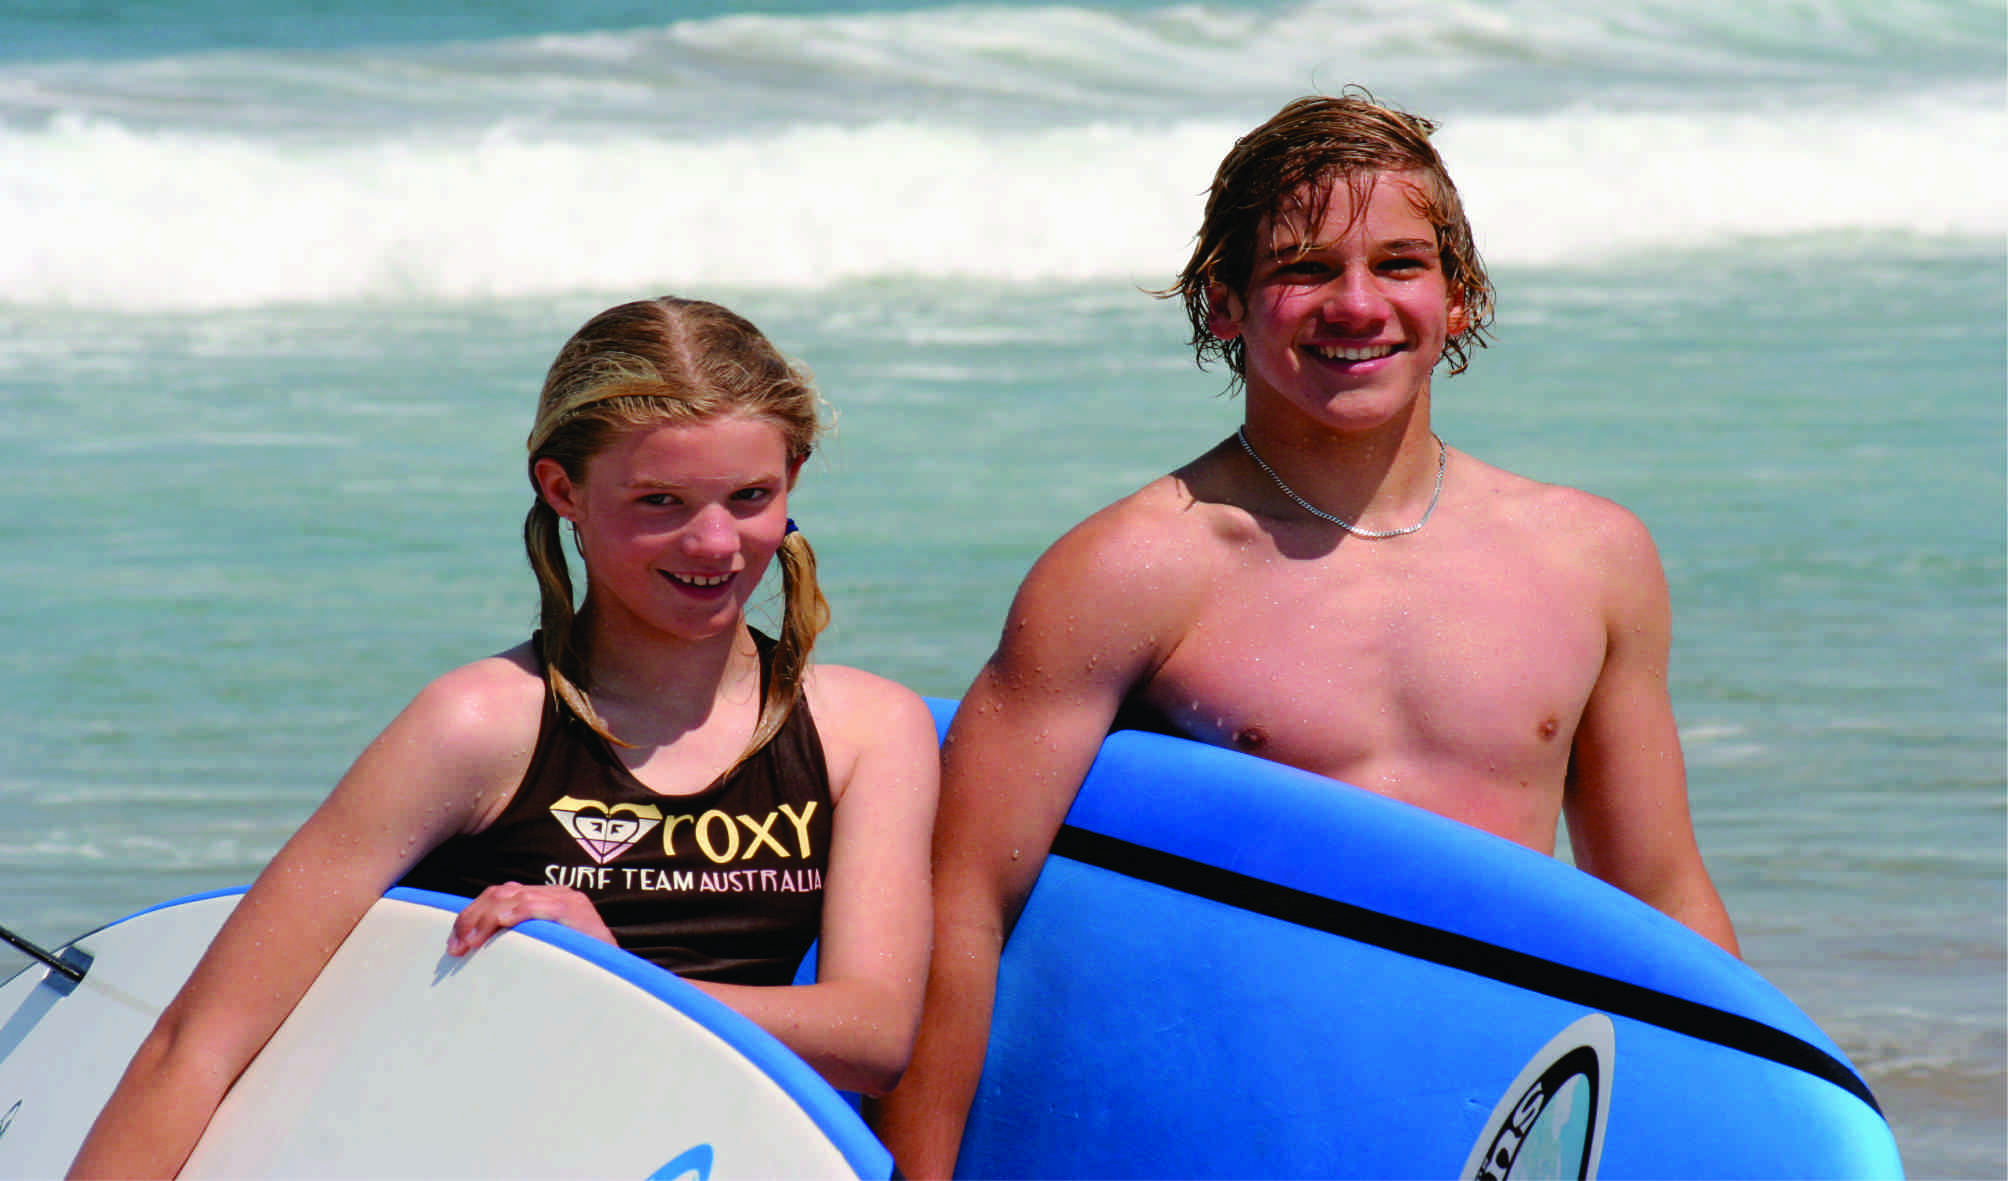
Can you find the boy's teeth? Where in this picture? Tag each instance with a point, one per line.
(1340, 353)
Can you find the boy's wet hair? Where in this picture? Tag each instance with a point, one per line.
(668, 362)
(1288, 167)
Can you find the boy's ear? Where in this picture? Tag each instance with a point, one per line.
(1223, 311)
(1460, 314)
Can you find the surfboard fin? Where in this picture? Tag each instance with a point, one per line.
(71, 964)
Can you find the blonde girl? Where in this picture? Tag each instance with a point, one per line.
(645, 737)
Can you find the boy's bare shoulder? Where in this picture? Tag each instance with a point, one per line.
(1556, 518)
(1182, 514)
(1121, 589)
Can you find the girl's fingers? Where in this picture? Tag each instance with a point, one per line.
(500, 907)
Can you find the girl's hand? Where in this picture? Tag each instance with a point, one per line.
(500, 907)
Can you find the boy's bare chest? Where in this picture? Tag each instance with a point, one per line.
(1406, 677)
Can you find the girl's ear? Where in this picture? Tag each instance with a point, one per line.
(794, 470)
(1223, 311)
(555, 485)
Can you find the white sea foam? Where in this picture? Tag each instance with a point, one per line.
(1591, 183)
(180, 218)
(1035, 143)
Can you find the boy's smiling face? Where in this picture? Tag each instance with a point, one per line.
(1345, 320)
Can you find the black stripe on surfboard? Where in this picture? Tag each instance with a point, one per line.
(1418, 941)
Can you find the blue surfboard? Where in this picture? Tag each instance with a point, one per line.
(1232, 968)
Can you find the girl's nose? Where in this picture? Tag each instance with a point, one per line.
(712, 532)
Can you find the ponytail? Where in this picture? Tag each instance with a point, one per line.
(563, 662)
(804, 614)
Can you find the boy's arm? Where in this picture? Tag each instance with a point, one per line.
(1627, 805)
(1022, 740)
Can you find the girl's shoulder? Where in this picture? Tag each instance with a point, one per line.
(846, 697)
(864, 716)
(511, 675)
(492, 706)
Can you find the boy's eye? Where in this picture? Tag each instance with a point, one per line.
(1403, 263)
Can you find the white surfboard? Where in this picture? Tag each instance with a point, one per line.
(544, 1054)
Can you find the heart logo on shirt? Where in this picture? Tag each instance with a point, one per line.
(605, 831)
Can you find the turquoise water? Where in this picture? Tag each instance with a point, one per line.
(281, 286)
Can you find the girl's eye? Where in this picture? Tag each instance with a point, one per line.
(658, 500)
(755, 495)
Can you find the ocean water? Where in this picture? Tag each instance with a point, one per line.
(278, 282)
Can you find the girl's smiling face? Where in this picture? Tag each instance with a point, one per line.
(677, 523)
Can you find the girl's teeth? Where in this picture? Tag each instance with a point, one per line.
(703, 579)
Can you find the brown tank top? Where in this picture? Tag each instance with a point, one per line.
(723, 885)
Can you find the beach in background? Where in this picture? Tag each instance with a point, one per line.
(278, 284)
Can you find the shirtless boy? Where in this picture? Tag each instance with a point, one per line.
(1333, 587)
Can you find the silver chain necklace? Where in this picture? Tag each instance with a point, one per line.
(1442, 461)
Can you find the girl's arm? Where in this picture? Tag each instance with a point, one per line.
(444, 765)
(856, 1024)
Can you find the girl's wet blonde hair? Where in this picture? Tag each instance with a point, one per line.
(676, 362)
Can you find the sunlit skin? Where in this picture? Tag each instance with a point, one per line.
(1504, 666)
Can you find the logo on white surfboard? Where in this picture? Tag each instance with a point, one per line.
(1550, 1121)
(694, 1164)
